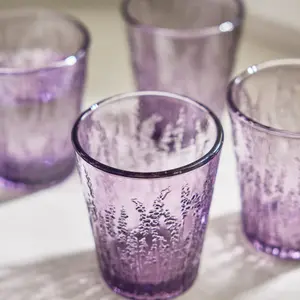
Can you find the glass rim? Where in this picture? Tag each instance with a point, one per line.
(70, 60)
(224, 27)
(203, 160)
(249, 72)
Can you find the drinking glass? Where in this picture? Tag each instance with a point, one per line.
(186, 47)
(148, 185)
(43, 57)
(265, 112)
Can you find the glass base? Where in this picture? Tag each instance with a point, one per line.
(46, 178)
(164, 290)
(280, 252)
(44, 182)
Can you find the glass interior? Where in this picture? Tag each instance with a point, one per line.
(46, 35)
(147, 133)
(271, 96)
(184, 14)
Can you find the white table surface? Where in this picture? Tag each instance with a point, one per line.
(46, 246)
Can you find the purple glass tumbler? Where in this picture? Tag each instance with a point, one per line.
(265, 112)
(148, 185)
(43, 57)
(186, 47)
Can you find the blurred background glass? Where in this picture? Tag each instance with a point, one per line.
(43, 57)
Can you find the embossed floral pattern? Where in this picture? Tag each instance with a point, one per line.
(162, 248)
(148, 231)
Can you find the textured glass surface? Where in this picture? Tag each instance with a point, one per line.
(267, 149)
(42, 75)
(148, 227)
(187, 47)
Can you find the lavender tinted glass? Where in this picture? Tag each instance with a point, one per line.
(148, 185)
(265, 111)
(186, 47)
(42, 73)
